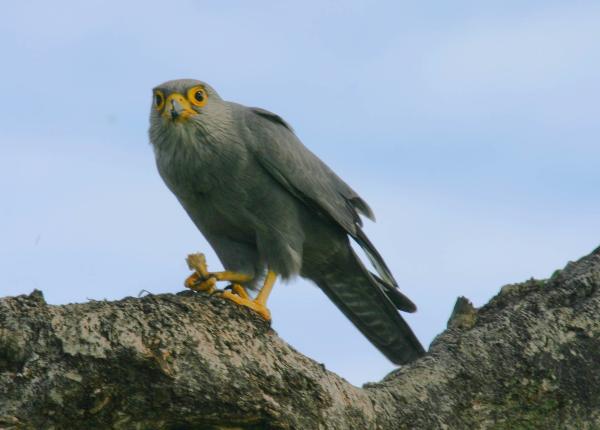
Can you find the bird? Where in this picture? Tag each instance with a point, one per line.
(270, 208)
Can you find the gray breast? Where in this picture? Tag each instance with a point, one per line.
(213, 188)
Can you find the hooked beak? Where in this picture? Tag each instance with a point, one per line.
(176, 109)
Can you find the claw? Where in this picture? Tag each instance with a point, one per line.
(203, 280)
(240, 291)
(259, 304)
(257, 307)
(196, 283)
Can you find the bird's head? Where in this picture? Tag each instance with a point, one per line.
(185, 106)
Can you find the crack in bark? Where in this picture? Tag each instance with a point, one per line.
(527, 359)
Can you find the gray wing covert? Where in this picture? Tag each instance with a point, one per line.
(310, 180)
(282, 154)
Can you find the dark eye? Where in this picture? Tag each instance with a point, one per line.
(158, 99)
(199, 96)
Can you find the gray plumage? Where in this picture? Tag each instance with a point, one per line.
(263, 200)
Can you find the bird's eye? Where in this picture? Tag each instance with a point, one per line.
(159, 100)
(197, 96)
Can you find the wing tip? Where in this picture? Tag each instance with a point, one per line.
(363, 208)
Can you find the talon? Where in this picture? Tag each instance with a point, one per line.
(191, 280)
(239, 290)
(208, 285)
(203, 280)
(252, 304)
(259, 304)
(196, 283)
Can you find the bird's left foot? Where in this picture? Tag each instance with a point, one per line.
(239, 295)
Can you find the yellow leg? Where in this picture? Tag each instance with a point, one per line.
(203, 280)
(258, 305)
(265, 291)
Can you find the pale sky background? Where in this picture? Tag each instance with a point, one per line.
(470, 127)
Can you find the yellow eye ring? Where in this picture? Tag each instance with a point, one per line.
(159, 100)
(197, 96)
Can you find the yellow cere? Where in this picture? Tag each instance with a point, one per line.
(187, 111)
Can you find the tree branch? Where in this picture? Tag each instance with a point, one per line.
(527, 359)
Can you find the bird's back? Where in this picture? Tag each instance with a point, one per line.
(263, 200)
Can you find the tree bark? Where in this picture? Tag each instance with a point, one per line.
(530, 358)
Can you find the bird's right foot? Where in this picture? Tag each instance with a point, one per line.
(198, 283)
(203, 280)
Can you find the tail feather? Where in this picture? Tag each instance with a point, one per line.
(395, 295)
(367, 304)
(375, 258)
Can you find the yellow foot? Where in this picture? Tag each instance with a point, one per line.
(197, 283)
(246, 301)
(240, 291)
(203, 280)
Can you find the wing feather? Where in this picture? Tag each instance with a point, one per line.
(282, 154)
(310, 180)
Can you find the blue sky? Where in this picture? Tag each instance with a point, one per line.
(470, 127)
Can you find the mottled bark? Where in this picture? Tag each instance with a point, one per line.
(530, 358)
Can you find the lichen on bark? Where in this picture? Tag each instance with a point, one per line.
(528, 359)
